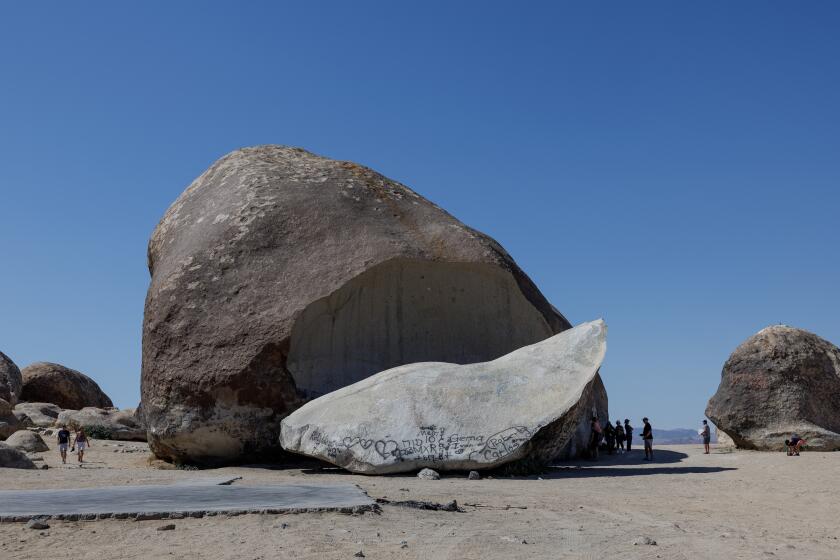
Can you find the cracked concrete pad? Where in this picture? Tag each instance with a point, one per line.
(188, 500)
(524, 406)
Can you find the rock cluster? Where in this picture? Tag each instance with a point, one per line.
(279, 276)
(524, 406)
(62, 386)
(110, 423)
(780, 381)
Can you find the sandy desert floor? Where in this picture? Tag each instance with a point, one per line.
(726, 505)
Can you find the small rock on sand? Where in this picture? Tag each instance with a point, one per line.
(37, 523)
(474, 475)
(428, 474)
(169, 527)
(644, 540)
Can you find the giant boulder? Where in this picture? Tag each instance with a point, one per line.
(524, 406)
(11, 382)
(62, 386)
(105, 423)
(279, 276)
(780, 381)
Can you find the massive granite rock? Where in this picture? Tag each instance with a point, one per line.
(105, 423)
(524, 406)
(62, 386)
(279, 276)
(13, 458)
(780, 381)
(10, 380)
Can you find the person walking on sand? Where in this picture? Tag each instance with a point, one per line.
(63, 438)
(628, 434)
(647, 436)
(706, 434)
(619, 436)
(81, 443)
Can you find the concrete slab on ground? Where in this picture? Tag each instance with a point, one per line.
(193, 499)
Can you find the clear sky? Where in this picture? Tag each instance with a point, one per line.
(673, 167)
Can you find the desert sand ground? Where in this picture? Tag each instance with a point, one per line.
(726, 505)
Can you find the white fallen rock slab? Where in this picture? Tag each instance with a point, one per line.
(524, 405)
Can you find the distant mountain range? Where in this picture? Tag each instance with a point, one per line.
(679, 435)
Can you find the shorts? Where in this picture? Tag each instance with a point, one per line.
(648, 444)
(62, 447)
(707, 440)
(81, 445)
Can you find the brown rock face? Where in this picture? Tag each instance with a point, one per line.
(279, 276)
(10, 380)
(9, 423)
(45, 382)
(780, 381)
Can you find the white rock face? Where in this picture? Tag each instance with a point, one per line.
(27, 441)
(524, 405)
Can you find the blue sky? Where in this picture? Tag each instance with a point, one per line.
(671, 167)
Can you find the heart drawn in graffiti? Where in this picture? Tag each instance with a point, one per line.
(386, 448)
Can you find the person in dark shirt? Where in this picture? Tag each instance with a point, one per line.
(619, 436)
(647, 436)
(628, 434)
(63, 438)
(706, 434)
(609, 435)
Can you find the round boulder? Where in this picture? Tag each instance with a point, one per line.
(27, 441)
(12, 458)
(62, 386)
(279, 276)
(780, 381)
(10, 380)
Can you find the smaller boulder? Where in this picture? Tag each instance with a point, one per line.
(60, 385)
(38, 523)
(10, 380)
(11, 458)
(103, 423)
(27, 441)
(42, 415)
(9, 423)
(428, 474)
(474, 475)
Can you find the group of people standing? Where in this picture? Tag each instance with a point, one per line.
(618, 438)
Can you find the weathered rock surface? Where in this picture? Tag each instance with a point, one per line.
(10, 380)
(11, 458)
(42, 415)
(522, 406)
(62, 386)
(111, 423)
(9, 423)
(780, 381)
(279, 276)
(27, 441)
